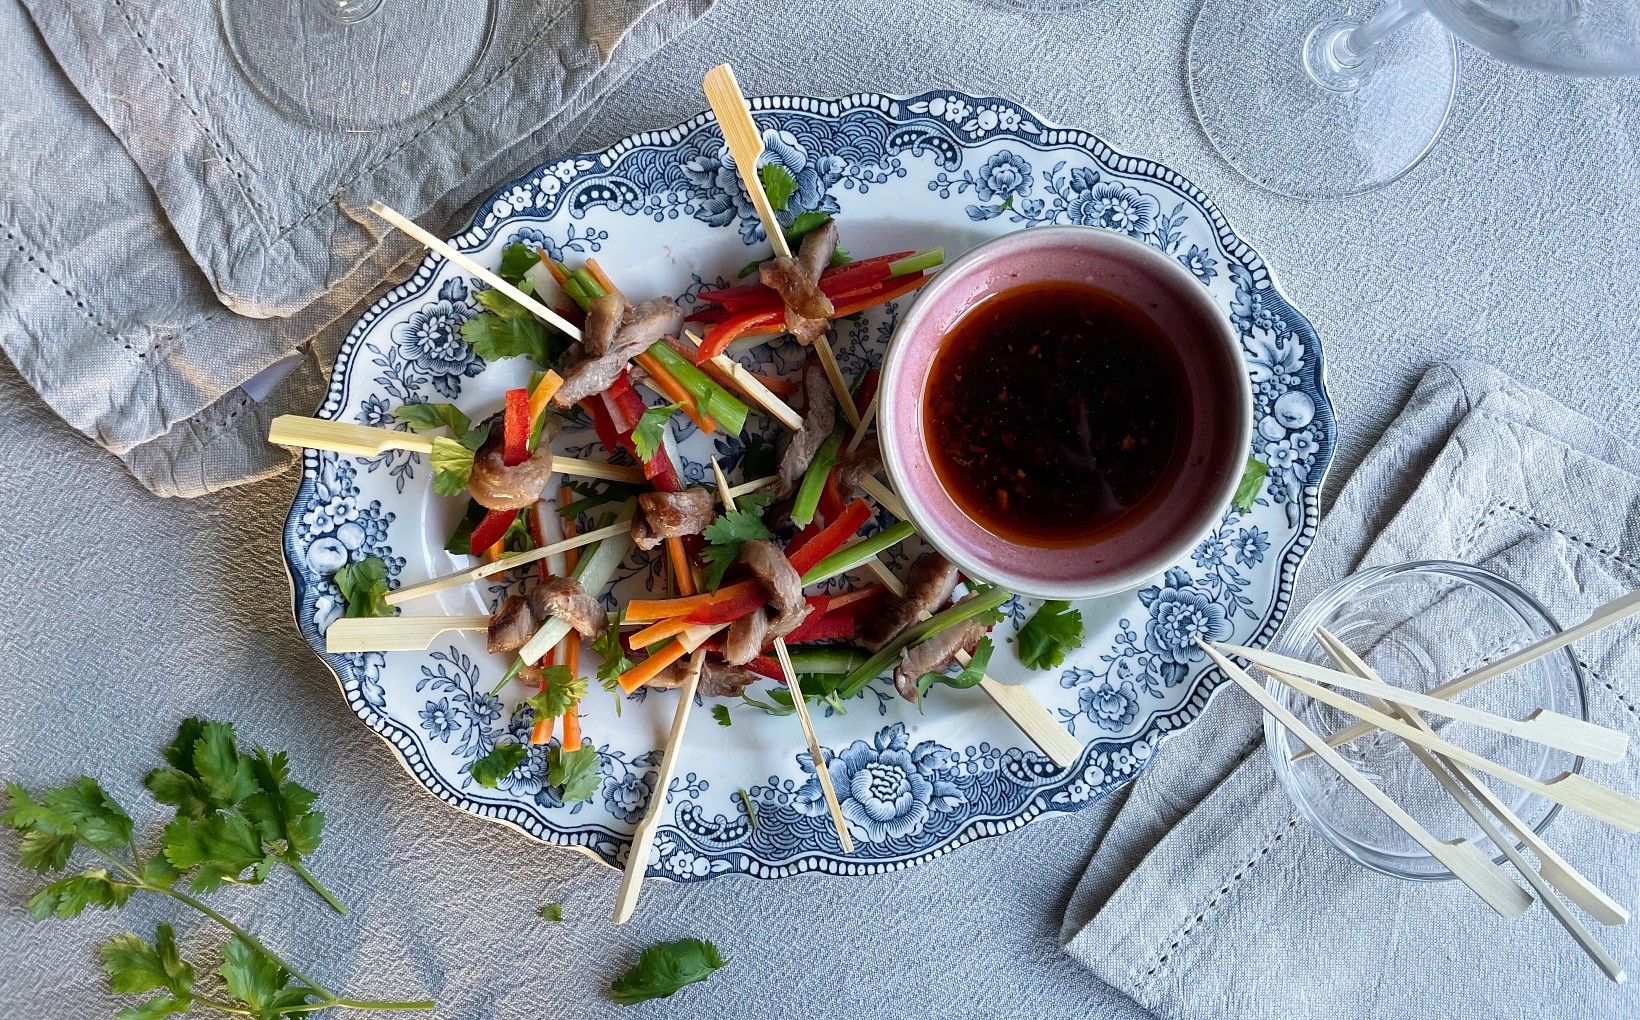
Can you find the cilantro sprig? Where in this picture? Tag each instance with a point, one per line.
(1046, 637)
(970, 676)
(452, 456)
(560, 690)
(1252, 481)
(506, 329)
(363, 586)
(778, 183)
(651, 430)
(665, 968)
(238, 817)
(612, 652)
(729, 531)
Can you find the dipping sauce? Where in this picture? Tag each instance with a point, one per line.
(1053, 413)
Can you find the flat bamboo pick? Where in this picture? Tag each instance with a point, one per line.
(865, 423)
(367, 441)
(752, 387)
(1550, 729)
(821, 772)
(1019, 704)
(483, 570)
(434, 243)
(395, 633)
(885, 576)
(885, 497)
(1612, 612)
(1582, 795)
(637, 856)
(1473, 868)
(746, 145)
(1554, 869)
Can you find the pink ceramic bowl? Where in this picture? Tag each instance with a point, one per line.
(1215, 446)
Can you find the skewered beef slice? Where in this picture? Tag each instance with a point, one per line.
(927, 586)
(498, 487)
(746, 639)
(717, 679)
(564, 598)
(780, 582)
(855, 467)
(933, 655)
(663, 515)
(797, 281)
(602, 322)
(819, 417)
(641, 327)
(511, 625)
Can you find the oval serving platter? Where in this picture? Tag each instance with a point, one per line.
(664, 212)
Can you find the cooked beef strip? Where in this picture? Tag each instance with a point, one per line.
(498, 487)
(643, 536)
(746, 639)
(531, 677)
(564, 598)
(511, 625)
(780, 582)
(642, 326)
(819, 417)
(797, 281)
(933, 655)
(602, 322)
(673, 515)
(855, 467)
(927, 586)
(722, 680)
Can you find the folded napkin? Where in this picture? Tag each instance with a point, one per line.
(169, 235)
(1210, 897)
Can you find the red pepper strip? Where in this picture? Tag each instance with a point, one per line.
(516, 422)
(830, 540)
(490, 530)
(851, 273)
(831, 501)
(859, 609)
(730, 610)
(822, 628)
(603, 424)
(809, 533)
(720, 336)
(625, 405)
(853, 304)
(769, 668)
(868, 389)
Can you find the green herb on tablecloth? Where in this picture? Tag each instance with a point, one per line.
(665, 968)
(550, 912)
(238, 817)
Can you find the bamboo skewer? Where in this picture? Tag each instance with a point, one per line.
(1582, 795)
(886, 498)
(1553, 869)
(395, 633)
(444, 248)
(865, 423)
(368, 441)
(885, 576)
(1550, 729)
(1612, 612)
(1473, 868)
(821, 771)
(483, 570)
(637, 855)
(746, 145)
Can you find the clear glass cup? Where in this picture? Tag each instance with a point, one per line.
(1313, 99)
(1418, 625)
(356, 65)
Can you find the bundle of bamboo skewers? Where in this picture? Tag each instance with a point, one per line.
(1400, 712)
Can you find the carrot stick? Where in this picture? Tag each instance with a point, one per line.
(572, 728)
(541, 732)
(597, 272)
(680, 566)
(650, 610)
(543, 393)
(651, 667)
(659, 631)
(673, 390)
(554, 268)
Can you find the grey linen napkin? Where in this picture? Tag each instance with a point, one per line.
(123, 239)
(1209, 897)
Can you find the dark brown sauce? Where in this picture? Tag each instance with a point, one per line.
(1054, 412)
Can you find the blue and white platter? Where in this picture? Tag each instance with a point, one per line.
(664, 213)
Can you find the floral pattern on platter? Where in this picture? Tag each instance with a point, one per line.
(936, 165)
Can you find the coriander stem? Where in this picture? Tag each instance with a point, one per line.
(249, 939)
(368, 1004)
(335, 904)
(226, 1007)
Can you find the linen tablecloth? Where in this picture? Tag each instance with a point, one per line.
(1509, 245)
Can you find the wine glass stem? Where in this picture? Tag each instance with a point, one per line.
(1352, 47)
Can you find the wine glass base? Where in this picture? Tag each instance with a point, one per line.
(1295, 127)
(355, 65)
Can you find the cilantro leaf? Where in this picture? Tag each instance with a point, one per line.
(576, 772)
(665, 968)
(45, 851)
(68, 897)
(158, 871)
(363, 586)
(804, 222)
(970, 676)
(550, 912)
(221, 847)
(517, 260)
(721, 714)
(612, 652)
(461, 539)
(1252, 480)
(651, 429)
(1046, 637)
(95, 817)
(560, 690)
(433, 416)
(778, 184)
(258, 980)
(207, 772)
(452, 466)
(26, 814)
(135, 965)
(155, 1008)
(224, 773)
(728, 532)
(495, 336)
(498, 764)
(282, 810)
